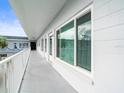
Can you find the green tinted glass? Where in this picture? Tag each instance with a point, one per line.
(84, 41)
(67, 43)
(50, 45)
(58, 44)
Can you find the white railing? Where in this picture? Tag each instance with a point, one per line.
(12, 70)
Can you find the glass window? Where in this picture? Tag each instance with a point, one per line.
(84, 41)
(50, 45)
(23, 44)
(58, 44)
(15, 46)
(27, 44)
(45, 45)
(20, 45)
(65, 43)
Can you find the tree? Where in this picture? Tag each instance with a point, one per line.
(3, 42)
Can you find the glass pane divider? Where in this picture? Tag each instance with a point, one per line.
(75, 42)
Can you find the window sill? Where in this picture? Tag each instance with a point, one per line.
(78, 69)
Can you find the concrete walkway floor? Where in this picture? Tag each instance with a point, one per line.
(41, 77)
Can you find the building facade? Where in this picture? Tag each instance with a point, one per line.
(83, 41)
(17, 42)
(14, 45)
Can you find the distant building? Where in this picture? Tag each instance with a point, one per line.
(14, 45)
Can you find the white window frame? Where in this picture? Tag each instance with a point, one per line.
(56, 40)
(42, 46)
(84, 71)
(49, 35)
(45, 45)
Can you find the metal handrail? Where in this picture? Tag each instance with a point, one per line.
(12, 70)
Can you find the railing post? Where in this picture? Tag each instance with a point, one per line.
(12, 70)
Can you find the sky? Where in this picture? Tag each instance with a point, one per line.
(9, 24)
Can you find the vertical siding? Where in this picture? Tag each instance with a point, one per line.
(109, 46)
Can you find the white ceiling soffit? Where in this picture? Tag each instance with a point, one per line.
(35, 15)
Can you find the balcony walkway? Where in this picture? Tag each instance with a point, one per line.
(41, 77)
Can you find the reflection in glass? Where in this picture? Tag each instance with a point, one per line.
(84, 41)
(65, 43)
(50, 45)
(45, 45)
(58, 44)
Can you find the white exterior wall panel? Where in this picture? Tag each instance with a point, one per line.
(108, 47)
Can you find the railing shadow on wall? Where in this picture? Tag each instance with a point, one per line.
(12, 70)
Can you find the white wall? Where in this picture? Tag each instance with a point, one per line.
(108, 47)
